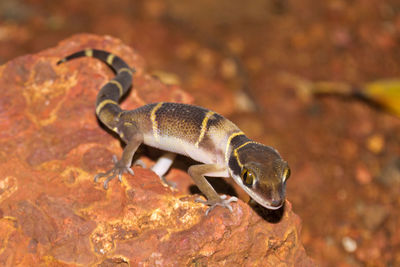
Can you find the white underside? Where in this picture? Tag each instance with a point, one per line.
(176, 145)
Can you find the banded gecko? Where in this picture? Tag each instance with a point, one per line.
(201, 134)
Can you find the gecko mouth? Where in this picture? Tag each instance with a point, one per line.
(270, 202)
(266, 203)
(273, 206)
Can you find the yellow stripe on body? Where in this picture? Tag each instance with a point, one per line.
(110, 59)
(121, 90)
(153, 120)
(228, 144)
(89, 52)
(126, 70)
(103, 103)
(235, 152)
(204, 127)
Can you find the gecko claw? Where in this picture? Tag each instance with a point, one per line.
(118, 170)
(130, 171)
(223, 202)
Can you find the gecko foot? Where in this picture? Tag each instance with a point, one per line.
(168, 183)
(119, 169)
(223, 202)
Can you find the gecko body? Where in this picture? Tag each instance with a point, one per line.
(201, 134)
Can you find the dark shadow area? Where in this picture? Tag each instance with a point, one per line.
(271, 216)
(219, 184)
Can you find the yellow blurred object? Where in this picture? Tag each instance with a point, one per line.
(326, 87)
(386, 93)
(306, 89)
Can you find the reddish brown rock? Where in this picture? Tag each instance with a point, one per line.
(51, 211)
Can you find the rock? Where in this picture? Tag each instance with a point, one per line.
(51, 211)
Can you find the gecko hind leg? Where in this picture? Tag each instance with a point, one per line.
(162, 166)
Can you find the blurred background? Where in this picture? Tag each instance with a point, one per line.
(318, 80)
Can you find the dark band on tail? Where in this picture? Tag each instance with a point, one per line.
(107, 108)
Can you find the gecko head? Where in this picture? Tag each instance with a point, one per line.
(262, 173)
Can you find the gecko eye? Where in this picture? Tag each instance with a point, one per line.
(248, 177)
(286, 174)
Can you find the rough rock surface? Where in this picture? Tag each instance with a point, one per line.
(53, 214)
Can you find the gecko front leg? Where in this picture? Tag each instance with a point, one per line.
(197, 172)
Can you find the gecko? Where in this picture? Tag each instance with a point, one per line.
(216, 143)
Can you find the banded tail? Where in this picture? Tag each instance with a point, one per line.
(107, 108)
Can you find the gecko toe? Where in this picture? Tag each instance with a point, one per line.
(105, 185)
(223, 202)
(231, 199)
(101, 175)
